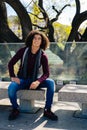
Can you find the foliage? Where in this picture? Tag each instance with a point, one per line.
(61, 32)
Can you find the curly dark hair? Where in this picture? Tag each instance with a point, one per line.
(30, 36)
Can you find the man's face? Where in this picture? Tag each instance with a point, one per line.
(37, 40)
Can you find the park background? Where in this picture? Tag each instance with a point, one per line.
(65, 24)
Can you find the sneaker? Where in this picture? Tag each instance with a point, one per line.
(14, 114)
(49, 114)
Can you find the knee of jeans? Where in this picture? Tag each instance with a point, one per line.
(11, 90)
(52, 85)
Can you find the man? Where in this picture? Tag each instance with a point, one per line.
(31, 57)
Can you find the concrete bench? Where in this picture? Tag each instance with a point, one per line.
(75, 93)
(26, 97)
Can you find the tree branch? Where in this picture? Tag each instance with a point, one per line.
(39, 26)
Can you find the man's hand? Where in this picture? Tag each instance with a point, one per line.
(34, 85)
(15, 79)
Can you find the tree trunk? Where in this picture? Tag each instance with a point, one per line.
(25, 21)
(6, 35)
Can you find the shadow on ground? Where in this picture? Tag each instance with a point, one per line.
(38, 122)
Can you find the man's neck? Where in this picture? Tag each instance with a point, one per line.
(34, 49)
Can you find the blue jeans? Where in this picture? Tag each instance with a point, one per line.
(14, 87)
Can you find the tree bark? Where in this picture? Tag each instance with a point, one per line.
(25, 21)
(6, 35)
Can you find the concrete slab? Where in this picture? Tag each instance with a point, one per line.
(73, 93)
(26, 97)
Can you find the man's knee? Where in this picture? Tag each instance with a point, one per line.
(12, 88)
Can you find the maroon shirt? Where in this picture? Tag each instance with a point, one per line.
(31, 61)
